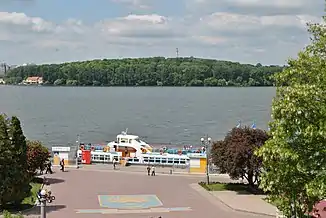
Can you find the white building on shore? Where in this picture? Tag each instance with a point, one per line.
(33, 80)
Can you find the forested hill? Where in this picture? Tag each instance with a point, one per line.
(156, 71)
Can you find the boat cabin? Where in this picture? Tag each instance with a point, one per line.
(128, 139)
(129, 145)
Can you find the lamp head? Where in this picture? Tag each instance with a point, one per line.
(202, 139)
(43, 192)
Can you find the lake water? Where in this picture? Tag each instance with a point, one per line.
(56, 115)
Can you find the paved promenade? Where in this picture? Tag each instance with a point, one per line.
(245, 202)
(100, 191)
(87, 192)
(162, 171)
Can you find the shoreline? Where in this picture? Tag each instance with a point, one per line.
(88, 86)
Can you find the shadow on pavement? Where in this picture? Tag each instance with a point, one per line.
(49, 208)
(239, 188)
(54, 180)
(14, 208)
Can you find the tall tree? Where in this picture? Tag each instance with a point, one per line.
(294, 159)
(18, 141)
(235, 155)
(14, 179)
(5, 162)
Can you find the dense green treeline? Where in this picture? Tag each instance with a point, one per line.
(156, 71)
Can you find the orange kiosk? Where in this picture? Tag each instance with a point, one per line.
(86, 157)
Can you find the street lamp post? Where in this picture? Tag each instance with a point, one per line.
(43, 203)
(77, 148)
(207, 142)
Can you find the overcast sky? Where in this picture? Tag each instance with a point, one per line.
(249, 31)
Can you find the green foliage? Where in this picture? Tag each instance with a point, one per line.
(30, 200)
(37, 156)
(235, 154)
(6, 157)
(14, 179)
(294, 159)
(19, 168)
(7, 214)
(16, 191)
(13, 80)
(156, 71)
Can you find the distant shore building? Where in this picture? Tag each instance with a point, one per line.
(33, 80)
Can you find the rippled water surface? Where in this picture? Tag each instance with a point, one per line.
(55, 115)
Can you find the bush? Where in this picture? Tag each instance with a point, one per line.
(235, 155)
(37, 156)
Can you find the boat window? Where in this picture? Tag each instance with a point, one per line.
(157, 160)
(130, 141)
(95, 157)
(123, 140)
(138, 140)
(101, 157)
(177, 161)
(151, 159)
(183, 161)
(170, 160)
(163, 160)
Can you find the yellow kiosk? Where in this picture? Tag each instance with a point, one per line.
(60, 153)
(197, 163)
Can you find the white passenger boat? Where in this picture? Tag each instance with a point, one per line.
(135, 151)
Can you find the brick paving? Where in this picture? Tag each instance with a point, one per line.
(79, 189)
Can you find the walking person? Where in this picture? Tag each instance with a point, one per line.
(48, 168)
(41, 169)
(153, 170)
(62, 164)
(148, 170)
(114, 163)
